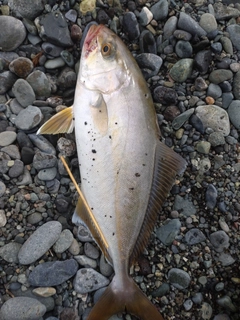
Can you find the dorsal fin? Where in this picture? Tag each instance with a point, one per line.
(61, 122)
(167, 165)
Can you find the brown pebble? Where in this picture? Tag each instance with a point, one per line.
(76, 33)
(21, 66)
(144, 265)
(209, 100)
(171, 112)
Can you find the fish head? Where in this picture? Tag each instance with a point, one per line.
(104, 62)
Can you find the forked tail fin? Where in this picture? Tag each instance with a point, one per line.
(130, 299)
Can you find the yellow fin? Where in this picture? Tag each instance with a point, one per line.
(62, 122)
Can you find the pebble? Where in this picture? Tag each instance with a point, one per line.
(64, 241)
(149, 63)
(179, 278)
(44, 291)
(181, 70)
(21, 67)
(203, 147)
(211, 196)
(28, 118)
(9, 252)
(147, 42)
(214, 91)
(40, 84)
(160, 10)
(185, 206)
(53, 273)
(42, 143)
(206, 311)
(7, 138)
(54, 63)
(194, 236)
(29, 11)
(219, 240)
(234, 113)
(42, 160)
(23, 92)
(130, 26)
(34, 218)
(208, 22)
(170, 27)
(12, 33)
(183, 49)
(17, 169)
(3, 219)
(145, 16)
(216, 139)
(220, 75)
(165, 95)
(214, 117)
(227, 45)
(86, 262)
(226, 302)
(225, 259)
(66, 147)
(88, 280)
(203, 60)
(22, 308)
(39, 242)
(47, 174)
(185, 22)
(7, 80)
(181, 119)
(236, 85)
(91, 251)
(105, 268)
(167, 233)
(74, 248)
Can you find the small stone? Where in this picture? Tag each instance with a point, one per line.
(91, 251)
(210, 100)
(88, 280)
(39, 242)
(23, 308)
(145, 16)
(203, 60)
(47, 174)
(188, 304)
(208, 22)
(185, 206)
(236, 85)
(167, 233)
(74, 248)
(161, 291)
(179, 278)
(26, 9)
(216, 139)
(51, 49)
(43, 160)
(71, 15)
(12, 150)
(149, 63)
(225, 259)
(53, 273)
(7, 80)
(165, 95)
(86, 262)
(105, 268)
(147, 42)
(64, 241)
(171, 112)
(211, 197)
(54, 63)
(66, 147)
(197, 298)
(28, 118)
(169, 27)
(227, 45)
(181, 34)
(130, 26)
(21, 67)
(206, 311)
(44, 291)
(17, 169)
(234, 113)
(7, 138)
(181, 119)
(194, 236)
(34, 218)
(220, 75)
(40, 84)
(181, 70)
(226, 303)
(214, 91)
(23, 92)
(183, 49)
(203, 147)
(9, 252)
(160, 10)
(3, 219)
(223, 12)
(219, 240)
(42, 143)
(67, 78)
(185, 22)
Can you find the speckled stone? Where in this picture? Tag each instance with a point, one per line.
(181, 70)
(12, 33)
(179, 278)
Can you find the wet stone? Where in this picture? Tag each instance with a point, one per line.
(179, 278)
(219, 240)
(64, 241)
(88, 280)
(181, 70)
(23, 92)
(194, 236)
(12, 33)
(22, 308)
(48, 24)
(21, 67)
(28, 118)
(49, 274)
(167, 233)
(39, 242)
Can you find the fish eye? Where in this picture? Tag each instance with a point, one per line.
(106, 49)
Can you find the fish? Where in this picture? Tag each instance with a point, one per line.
(126, 171)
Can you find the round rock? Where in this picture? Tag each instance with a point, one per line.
(23, 308)
(88, 280)
(220, 75)
(234, 113)
(167, 233)
(64, 241)
(181, 70)
(28, 118)
(179, 278)
(21, 67)
(12, 33)
(208, 22)
(39, 242)
(23, 92)
(9, 252)
(219, 240)
(40, 84)
(7, 138)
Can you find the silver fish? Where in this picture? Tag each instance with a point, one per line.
(126, 172)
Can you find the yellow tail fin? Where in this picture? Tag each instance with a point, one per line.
(130, 299)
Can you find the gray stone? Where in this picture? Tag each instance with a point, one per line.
(105, 268)
(53, 273)
(225, 259)
(48, 24)
(12, 150)
(39, 242)
(208, 22)
(43, 160)
(12, 33)
(28, 118)
(149, 63)
(47, 174)
(3, 218)
(179, 278)
(185, 206)
(215, 118)
(167, 233)
(88, 280)
(234, 113)
(67, 78)
(23, 92)
(226, 303)
(219, 240)
(86, 262)
(216, 139)
(181, 119)
(169, 27)
(7, 138)
(234, 33)
(22, 308)
(40, 84)
(15, 106)
(26, 9)
(130, 26)
(214, 91)
(145, 16)
(236, 85)
(34, 218)
(21, 67)
(183, 49)
(227, 45)
(91, 251)
(221, 316)
(9, 252)
(64, 241)
(160, 10)
(66, 147)
(54, 63)
(17, 169)
(181, 70)
(185, 22)
(206, 311)
(225, 12)
(42, 143)
(51, 49)
(2, 188)
(26, 178)
(194, 236)
(203, 147)
(220, 75)
(7, 79)
(68, 58)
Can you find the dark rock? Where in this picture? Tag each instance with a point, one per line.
(147, 42)
(185, 22)
(12, 33)
(211, 197)
(196, 122)
(7, 79)
(149, 63)
(165, 95)
(194, 236)
(130, 26)
(183, 49)
(203, 60)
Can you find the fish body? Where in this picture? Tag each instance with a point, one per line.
(126, 172)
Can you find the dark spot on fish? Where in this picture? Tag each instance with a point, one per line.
(93, 159)
(146, 154)
(94, 151)
(91, 208)
(146, 95)
(73, 119)
(89, 132)
(105, 216)
(113, 233)
(131, 188)
(110, 216)
(137, 174)
(143, 164)
(116, 123)
(110, 137)
(100, 110)
(85, 123)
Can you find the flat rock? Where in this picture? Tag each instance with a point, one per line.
(39, 242)
(167, 233)
(223, 12)
(22, 308)
(12, 33)
(181, 119)
(40, 84)
(9, 252)
(185, 206)
(28, 118)
(219, 240)
(43, 160)
(88, 280)
(23, 92)
(12, 150)
(49, 274)
(234, 113)
(208, 22)
(149, 64)
(64, 241)
(42, 143)
(194, 236)
(7, 138)
(220, 75)
(214, 117)
(47, 174)
(179, 278)
(160, 10)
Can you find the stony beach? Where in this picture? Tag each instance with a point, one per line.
(189, 53)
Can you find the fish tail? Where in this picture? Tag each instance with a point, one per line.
(129, 299)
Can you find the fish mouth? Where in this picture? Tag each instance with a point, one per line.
(90, 43)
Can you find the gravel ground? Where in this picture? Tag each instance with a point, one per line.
(189, 53)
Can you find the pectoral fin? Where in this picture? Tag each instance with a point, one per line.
(167, 165)
(62, 122)
(84, 213)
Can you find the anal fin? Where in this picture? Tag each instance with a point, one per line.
(61, 122)
(167, 165)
